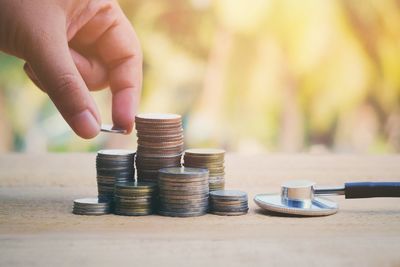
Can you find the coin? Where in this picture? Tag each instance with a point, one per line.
(168, 187)
(116, 152)
(157, 117)
(91, 206)
(228, 202)
(183, 172)
(113, 166)
(164, 145)
(205, 151)
(133, 213)
(187, 201)
(136, 186)
(211, 159)
(182, 214)
(229, 213)
(108, 128)
(229, 194)
(160, 143)
(162, 128)
(135, 198)
(183, 191)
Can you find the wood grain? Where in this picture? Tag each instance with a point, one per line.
(38, 229)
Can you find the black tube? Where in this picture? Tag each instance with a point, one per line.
(372, 189)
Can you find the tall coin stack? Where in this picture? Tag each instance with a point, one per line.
(183, 192)
(213, 160)
(160, 144)
(135, 198)
(113, 166)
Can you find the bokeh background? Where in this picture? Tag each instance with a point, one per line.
(250, 76)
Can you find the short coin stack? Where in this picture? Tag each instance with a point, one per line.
(135, 198)
(213, 160)
(183, 192)
(113, 166)
(228, 202)
(160, 144)
(91, 206)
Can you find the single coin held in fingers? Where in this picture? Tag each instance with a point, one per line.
(108, 128)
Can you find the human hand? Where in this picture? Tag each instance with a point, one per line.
(71, 47)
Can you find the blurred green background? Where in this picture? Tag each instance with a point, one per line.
(249, 76)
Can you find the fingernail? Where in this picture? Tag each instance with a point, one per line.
(85, 125)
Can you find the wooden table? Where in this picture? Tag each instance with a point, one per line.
(37, 227)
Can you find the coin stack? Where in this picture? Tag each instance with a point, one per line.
(160, 144)
(213, 160)
(113, 166)
(91, 206)
(183, 192)
(135, 198)
(228, 202)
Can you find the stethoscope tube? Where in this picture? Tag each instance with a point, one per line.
(363, 190)
(372, 189)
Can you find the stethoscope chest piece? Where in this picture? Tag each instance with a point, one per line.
(301, 198)
(297, 198)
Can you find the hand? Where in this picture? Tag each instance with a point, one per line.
(71, 47)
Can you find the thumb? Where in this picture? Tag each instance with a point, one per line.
(51, 61)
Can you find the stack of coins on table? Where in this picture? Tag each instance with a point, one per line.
(113, 166)
(135, 198)
(92, 206)
(183, 192)
(213, 160)
(160, 144)
(228, 202)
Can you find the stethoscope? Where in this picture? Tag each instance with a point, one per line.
(302, 198)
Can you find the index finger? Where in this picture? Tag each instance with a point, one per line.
(119, 48)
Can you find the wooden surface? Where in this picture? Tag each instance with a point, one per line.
(37, 227)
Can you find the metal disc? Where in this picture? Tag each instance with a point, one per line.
(184, 171)
(229, 194)
(92, 201)
(320, 206)
(159, 117)
(108, 128)
(204, 151)
(115, 153)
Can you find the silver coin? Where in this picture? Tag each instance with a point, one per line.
(228, 194)
(185, 209)
(185, 188)
(182, 214)
(183, 180)
(228, 203)
(133, 213)
(228, 213)
(77, 210)
(184, 171)
(92, 206)
(245, 209)
(108, 128)
(90, 213)
(135, 199)
(167, 206)
(136, 185)
(91, 201)
(115, 152)
(184, 192)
